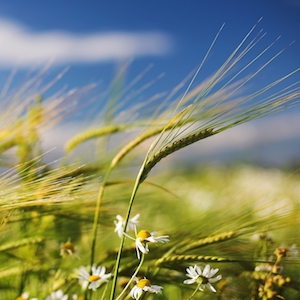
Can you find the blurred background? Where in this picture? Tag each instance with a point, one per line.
(168, 39)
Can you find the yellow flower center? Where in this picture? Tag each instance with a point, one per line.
(143, 234)
(93, 278)
(69, 247)
(21, 298)
(143, 282)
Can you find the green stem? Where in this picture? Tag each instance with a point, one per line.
(118, 260)
(200, 280)
(132, 277)
(104, 292)
(97, 214)
(88, 294)
(114, 162)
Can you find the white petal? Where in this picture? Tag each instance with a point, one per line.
(135, 218)
(198, 270)
(83, 274)
(136, 279)
(106, 276)
(153, 289)
(119, 218)
(25, 295)
(212, 280)
(94, 269)
(189, 281)
(135, 292)
(157, 288)
(211, 287)
(151, 239)
(141, 247)
(119, 229)
(94, 285)
(101, 271)
(213, 272)
(161, 239)
(59, 294)
(191, 272)
(206, 271)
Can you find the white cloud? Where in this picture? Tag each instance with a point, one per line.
(22, 47)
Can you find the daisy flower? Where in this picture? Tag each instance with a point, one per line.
(144, 285)
(144, 237)
(58, 295)
(131, 225)
(94, 280)
(68, 249)
(206, 277)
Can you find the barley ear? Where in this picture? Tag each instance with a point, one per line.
(224, 236)
(92, 134)
(189, 258)
(171, 148)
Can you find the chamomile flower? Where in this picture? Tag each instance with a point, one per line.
(25, 296)
(144, 237)
(58, 295)
(206, 277)
(131, 225)
(144, 285)
(68, 248)
(94, 280)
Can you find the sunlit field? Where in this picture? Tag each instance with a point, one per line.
(115, 216)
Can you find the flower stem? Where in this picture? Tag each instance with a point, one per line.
(118, 260)
(97, 214)
(104, 292)
(132, 277)
(200, 280)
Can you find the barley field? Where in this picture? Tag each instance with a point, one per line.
(115, 216)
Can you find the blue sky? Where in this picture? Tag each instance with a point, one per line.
(91, 37)
(181, 32)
